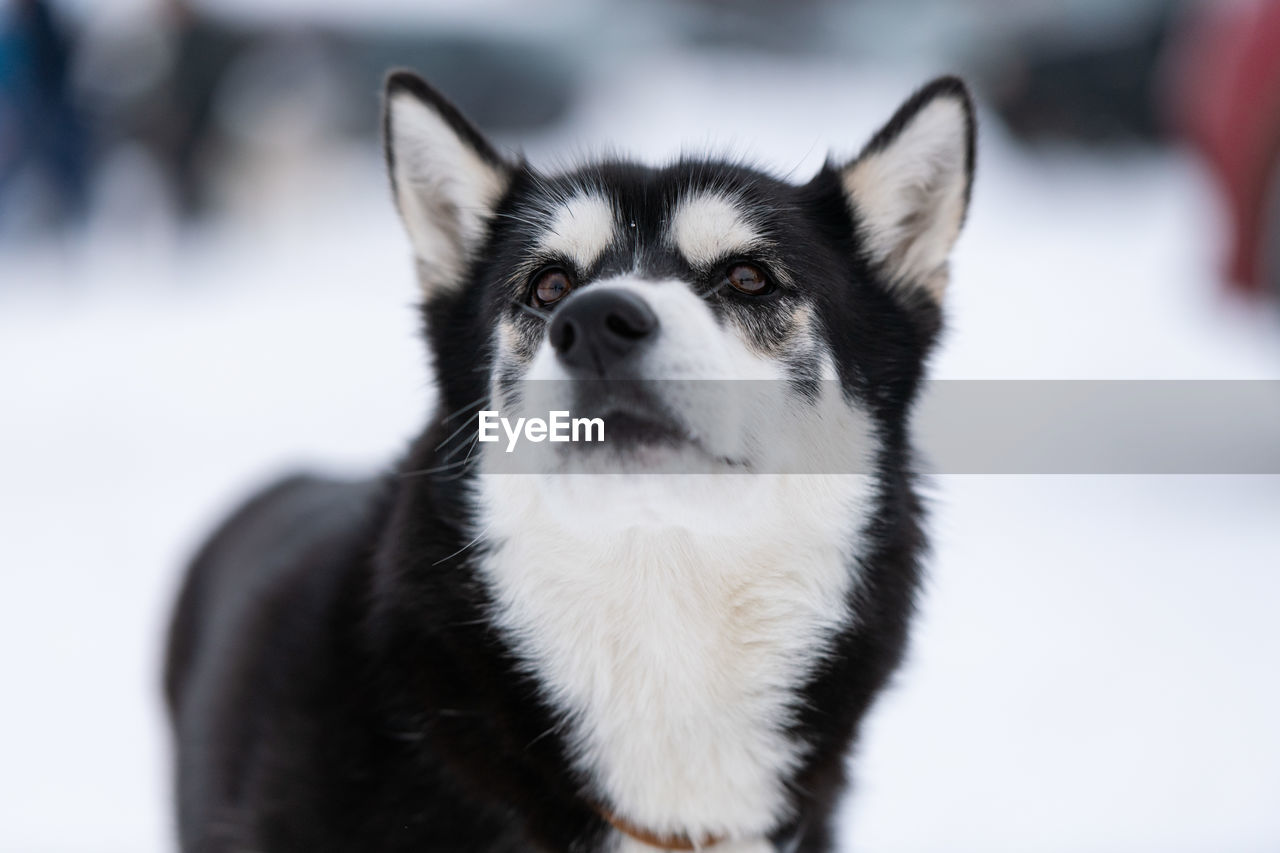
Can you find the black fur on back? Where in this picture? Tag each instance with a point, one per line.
(334, 680)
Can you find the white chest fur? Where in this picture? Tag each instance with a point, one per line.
(676, 655)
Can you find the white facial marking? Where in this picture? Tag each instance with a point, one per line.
(583, 227)
(708, 226)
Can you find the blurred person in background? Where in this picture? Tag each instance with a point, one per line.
(43, 146)
(1224, 94)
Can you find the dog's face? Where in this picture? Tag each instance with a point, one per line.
(643, 293)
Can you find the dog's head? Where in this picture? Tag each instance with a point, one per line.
(643, 290)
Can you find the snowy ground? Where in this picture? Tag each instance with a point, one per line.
(1095, 664)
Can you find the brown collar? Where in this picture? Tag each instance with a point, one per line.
(653, 839)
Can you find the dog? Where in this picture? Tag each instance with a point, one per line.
(664, 640)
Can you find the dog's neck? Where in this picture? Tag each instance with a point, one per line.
(677, 656)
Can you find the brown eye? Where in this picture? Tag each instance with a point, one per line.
(551, 286)
(749, 279)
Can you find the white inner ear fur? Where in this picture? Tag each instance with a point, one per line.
(910, 196)
(445, 190)
(709, 226)
(582, 228)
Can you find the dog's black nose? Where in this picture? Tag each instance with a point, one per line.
(599, 327)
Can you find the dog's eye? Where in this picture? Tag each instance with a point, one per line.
(551, 286)
(748, 279)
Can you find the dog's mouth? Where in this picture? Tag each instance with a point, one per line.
(631, 426)
(630, 429)
(644, 430)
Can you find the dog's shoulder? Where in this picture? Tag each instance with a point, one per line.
(292, 531)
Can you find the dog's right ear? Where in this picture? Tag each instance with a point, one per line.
(445, 176)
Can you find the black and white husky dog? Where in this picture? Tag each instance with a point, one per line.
(459, 656)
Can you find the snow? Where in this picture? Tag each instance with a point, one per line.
(1094, 666)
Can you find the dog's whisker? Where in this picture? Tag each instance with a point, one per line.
(524, 220)
(463, 426)
(460, 466)
(475, 442)
(470, 544)
(453, 452)
(552, 730)
(712, 290)
(479, 401)
(435, 469)
(529, 309)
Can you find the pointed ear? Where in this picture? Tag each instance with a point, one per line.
(445, 176)
(909, 188)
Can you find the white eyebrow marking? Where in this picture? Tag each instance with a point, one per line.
(583, 227)
(708, 226)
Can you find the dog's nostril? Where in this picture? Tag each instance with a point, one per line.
(628, 327)
(562, 336)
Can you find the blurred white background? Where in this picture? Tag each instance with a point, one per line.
(1095, 663)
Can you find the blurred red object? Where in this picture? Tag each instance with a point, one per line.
(1225, 94)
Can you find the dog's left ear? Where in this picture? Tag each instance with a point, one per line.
(909, 188)
(445, 175)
